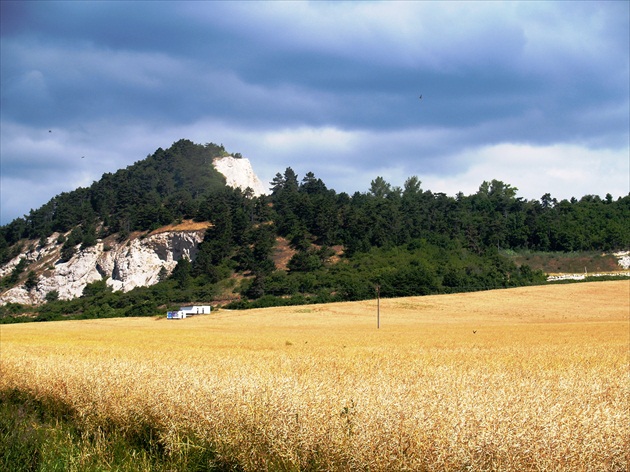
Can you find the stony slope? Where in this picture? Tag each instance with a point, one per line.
(124, 265)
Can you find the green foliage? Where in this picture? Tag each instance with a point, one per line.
(17, 271)
(305, 261)
(96, 289)
(163, 274)
(40, 434)
(181, 273)
(89, 237)
(21, 442)
(69, 247)
(12, 313)
(31, 281)
(176, 183)
(419, 268)
(280, 283)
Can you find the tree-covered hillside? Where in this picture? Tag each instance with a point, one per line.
(492, 217)
(407, 240)
(151, 193)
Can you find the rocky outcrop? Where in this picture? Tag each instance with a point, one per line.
(238, 173)
(124, 266)
(623, 259)
(135, 262)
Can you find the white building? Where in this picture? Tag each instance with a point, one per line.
(186, 311)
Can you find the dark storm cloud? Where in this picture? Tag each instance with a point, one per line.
(167, 62)
(119, 79)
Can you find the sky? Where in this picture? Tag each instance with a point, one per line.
(535, 94)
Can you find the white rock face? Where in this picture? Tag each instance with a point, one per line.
(139, 265)
(124, 266)
(623, 259)
(239, 174)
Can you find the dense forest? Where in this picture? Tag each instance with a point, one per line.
(149, 194)
(408, 241)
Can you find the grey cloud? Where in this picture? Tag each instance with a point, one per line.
(490, 73)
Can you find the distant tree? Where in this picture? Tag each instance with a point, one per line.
(547, 201)
(412, 186)
(181, 273)
(257, 287)
(162, 274)
(306, 261)
(262, 240)
(290, 180)
(69, 246)
(13, 278)
(89, 237)
(31, 281)
(312, 185)
(15, 231)
(277, 184)
(379, 188)
(96, 288)
(67, 251)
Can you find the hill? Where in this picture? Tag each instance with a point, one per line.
(119, 244)
(146, 195)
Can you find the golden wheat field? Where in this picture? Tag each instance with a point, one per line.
(532, 378)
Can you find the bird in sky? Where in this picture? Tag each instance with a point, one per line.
(82, 157)
(420, 97)
(474, 331)
(50, 131)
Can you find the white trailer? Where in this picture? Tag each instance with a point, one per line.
(196, 309)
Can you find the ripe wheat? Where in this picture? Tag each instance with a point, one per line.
(542, 384)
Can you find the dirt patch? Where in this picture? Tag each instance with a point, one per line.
(571, 263)
(282, 253)
(185, 225)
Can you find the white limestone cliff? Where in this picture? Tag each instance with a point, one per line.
(124, 266)
(238, 173)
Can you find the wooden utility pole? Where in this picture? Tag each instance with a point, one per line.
(378, 306)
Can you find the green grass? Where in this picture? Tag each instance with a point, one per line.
(43, 436)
